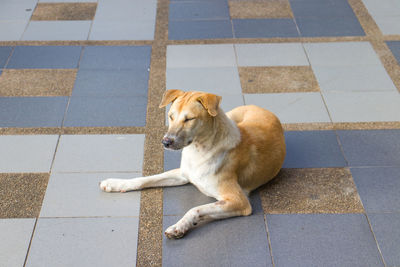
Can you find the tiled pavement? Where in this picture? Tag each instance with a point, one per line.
(80, 84)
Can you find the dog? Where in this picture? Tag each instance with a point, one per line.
(225, 156)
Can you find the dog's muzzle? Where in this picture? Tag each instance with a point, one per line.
(167, 142)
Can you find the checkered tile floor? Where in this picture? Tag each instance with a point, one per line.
(80, 84)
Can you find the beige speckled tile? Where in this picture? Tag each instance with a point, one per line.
(286, 79)
(240, 9)
(64, 11)
(37, 82)
(327, 190)
(21, 194)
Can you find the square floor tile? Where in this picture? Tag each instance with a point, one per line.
(172, 159)
(115, 57)
(199, 56)
(12, 30)
(313, 149)
(323, 9)
(224, 80)
(37, 82)
(386, 228)
(17, 10)
(105, 83)
(260, 9)
(64, 11)
(199, 29)
(368, 78)
(127, 30)
(384, 8)
(57, 30)
(282, 54)
(5, 52)
(32, 111)
(27, 153)
(230, 102)
(22, 194)
(363, 106)
(18, 234)
(325, 190)
(200, 10)
(371, 148)
(219, 242)
(264, 28)
(84, 242)
(378, 188)
(335, 26)
(281, 79)
(131, 11)
(66, 192)
(322, 240)
(292, 107)
(99, 153)
(341, 54)
(45, 57)
(106, 112)
(395, 48)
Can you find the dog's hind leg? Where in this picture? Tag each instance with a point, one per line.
(229, 205)
(169, 178)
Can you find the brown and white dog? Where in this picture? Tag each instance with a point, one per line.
(225, 156)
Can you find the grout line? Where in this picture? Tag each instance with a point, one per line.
(376, 241)
(30, 242)
(269, 240)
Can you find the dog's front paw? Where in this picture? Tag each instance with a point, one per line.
(116, 185)
(176, 231)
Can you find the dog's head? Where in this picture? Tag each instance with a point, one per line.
(188, 116)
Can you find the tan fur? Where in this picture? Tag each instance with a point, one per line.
(225, 156)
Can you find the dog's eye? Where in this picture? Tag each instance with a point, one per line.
(188, 119)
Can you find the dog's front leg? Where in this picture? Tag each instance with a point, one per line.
(229, 207)
(169, 178)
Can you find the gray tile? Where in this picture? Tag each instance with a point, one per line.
(368, 78)
(105, 83)
(292, 107)
(282, 54)
(5, 52)
(115, 57)
(395, 48)
(132, 11)
(199, 56)
(17, 10)
(106, 112)
(387, 232)
(17, 234)
(388, 25)
(230, 102)
(200, 10)
(99, 153)
(27, 153)
(387, 8)
(363, 106)
(12, 30)
(127, 30)
(32, 111)
(57, 30)
(199, 29)
(341, 54)
(219, 243)
(323, 9)
(313, 149)
(65, 194)
(45, 57)
(323, 27)
(224, 80)
(172, 159)
(378, 188)
(84, 242)
(322, 240)
(371, 148)
(66, 1)
(264, 28)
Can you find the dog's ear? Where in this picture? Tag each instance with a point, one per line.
(210, 102)
(169, 96)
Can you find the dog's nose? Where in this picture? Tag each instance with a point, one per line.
(167, 142)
